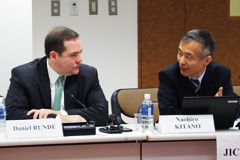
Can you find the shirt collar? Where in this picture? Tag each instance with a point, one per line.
(200, 77)
(53, 75)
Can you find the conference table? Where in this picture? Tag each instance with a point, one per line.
(124, 146)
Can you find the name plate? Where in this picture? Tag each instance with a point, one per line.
(186, 123)
(39, 128)
(228, 147)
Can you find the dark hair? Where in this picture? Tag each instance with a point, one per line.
(54, 41)
(204, 37)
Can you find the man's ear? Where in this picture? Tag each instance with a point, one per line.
(53, 56)
(208, 59)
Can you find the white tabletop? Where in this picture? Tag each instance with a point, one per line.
(98, 138)
(189, 136)
(122, 137)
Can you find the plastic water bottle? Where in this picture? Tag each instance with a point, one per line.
(2, 118)
(147, 114)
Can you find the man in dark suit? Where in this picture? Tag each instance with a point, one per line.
(194, 73)
(34, 85)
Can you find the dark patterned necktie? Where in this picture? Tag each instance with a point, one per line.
(195, 83)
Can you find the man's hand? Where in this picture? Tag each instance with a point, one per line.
(72, 118)
(219, 93)
(42, 113)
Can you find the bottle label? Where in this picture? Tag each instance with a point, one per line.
(2, 113)
(147, 109)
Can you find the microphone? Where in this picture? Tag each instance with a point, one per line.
(79, 128)
(81, 104)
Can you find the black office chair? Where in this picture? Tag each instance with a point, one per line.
(128, 101)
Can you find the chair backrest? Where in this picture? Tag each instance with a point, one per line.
(128, 101)
(236, 89)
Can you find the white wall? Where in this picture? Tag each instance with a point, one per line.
(16, 37)
(109, 42)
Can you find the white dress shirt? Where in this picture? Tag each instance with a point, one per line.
(53, 76)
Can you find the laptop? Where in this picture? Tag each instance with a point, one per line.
(223, 109)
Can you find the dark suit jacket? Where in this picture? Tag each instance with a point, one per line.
(174, 87)
(30, 89)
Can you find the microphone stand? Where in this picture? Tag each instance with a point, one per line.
(81, 104)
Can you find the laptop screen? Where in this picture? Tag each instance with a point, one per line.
(223, 109)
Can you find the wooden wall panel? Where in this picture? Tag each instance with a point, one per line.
(213, 16)
(161, 24)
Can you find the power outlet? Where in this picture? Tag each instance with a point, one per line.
(73, 7)
(93, 7)
(55, 7)
(112, 7)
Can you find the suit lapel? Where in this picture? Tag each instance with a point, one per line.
(44, 83)
(186, 86)
(70, 88)
(207, 84)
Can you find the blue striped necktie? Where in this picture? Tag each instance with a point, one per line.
(195, 83)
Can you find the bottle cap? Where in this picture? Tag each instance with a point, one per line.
(147, 96)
